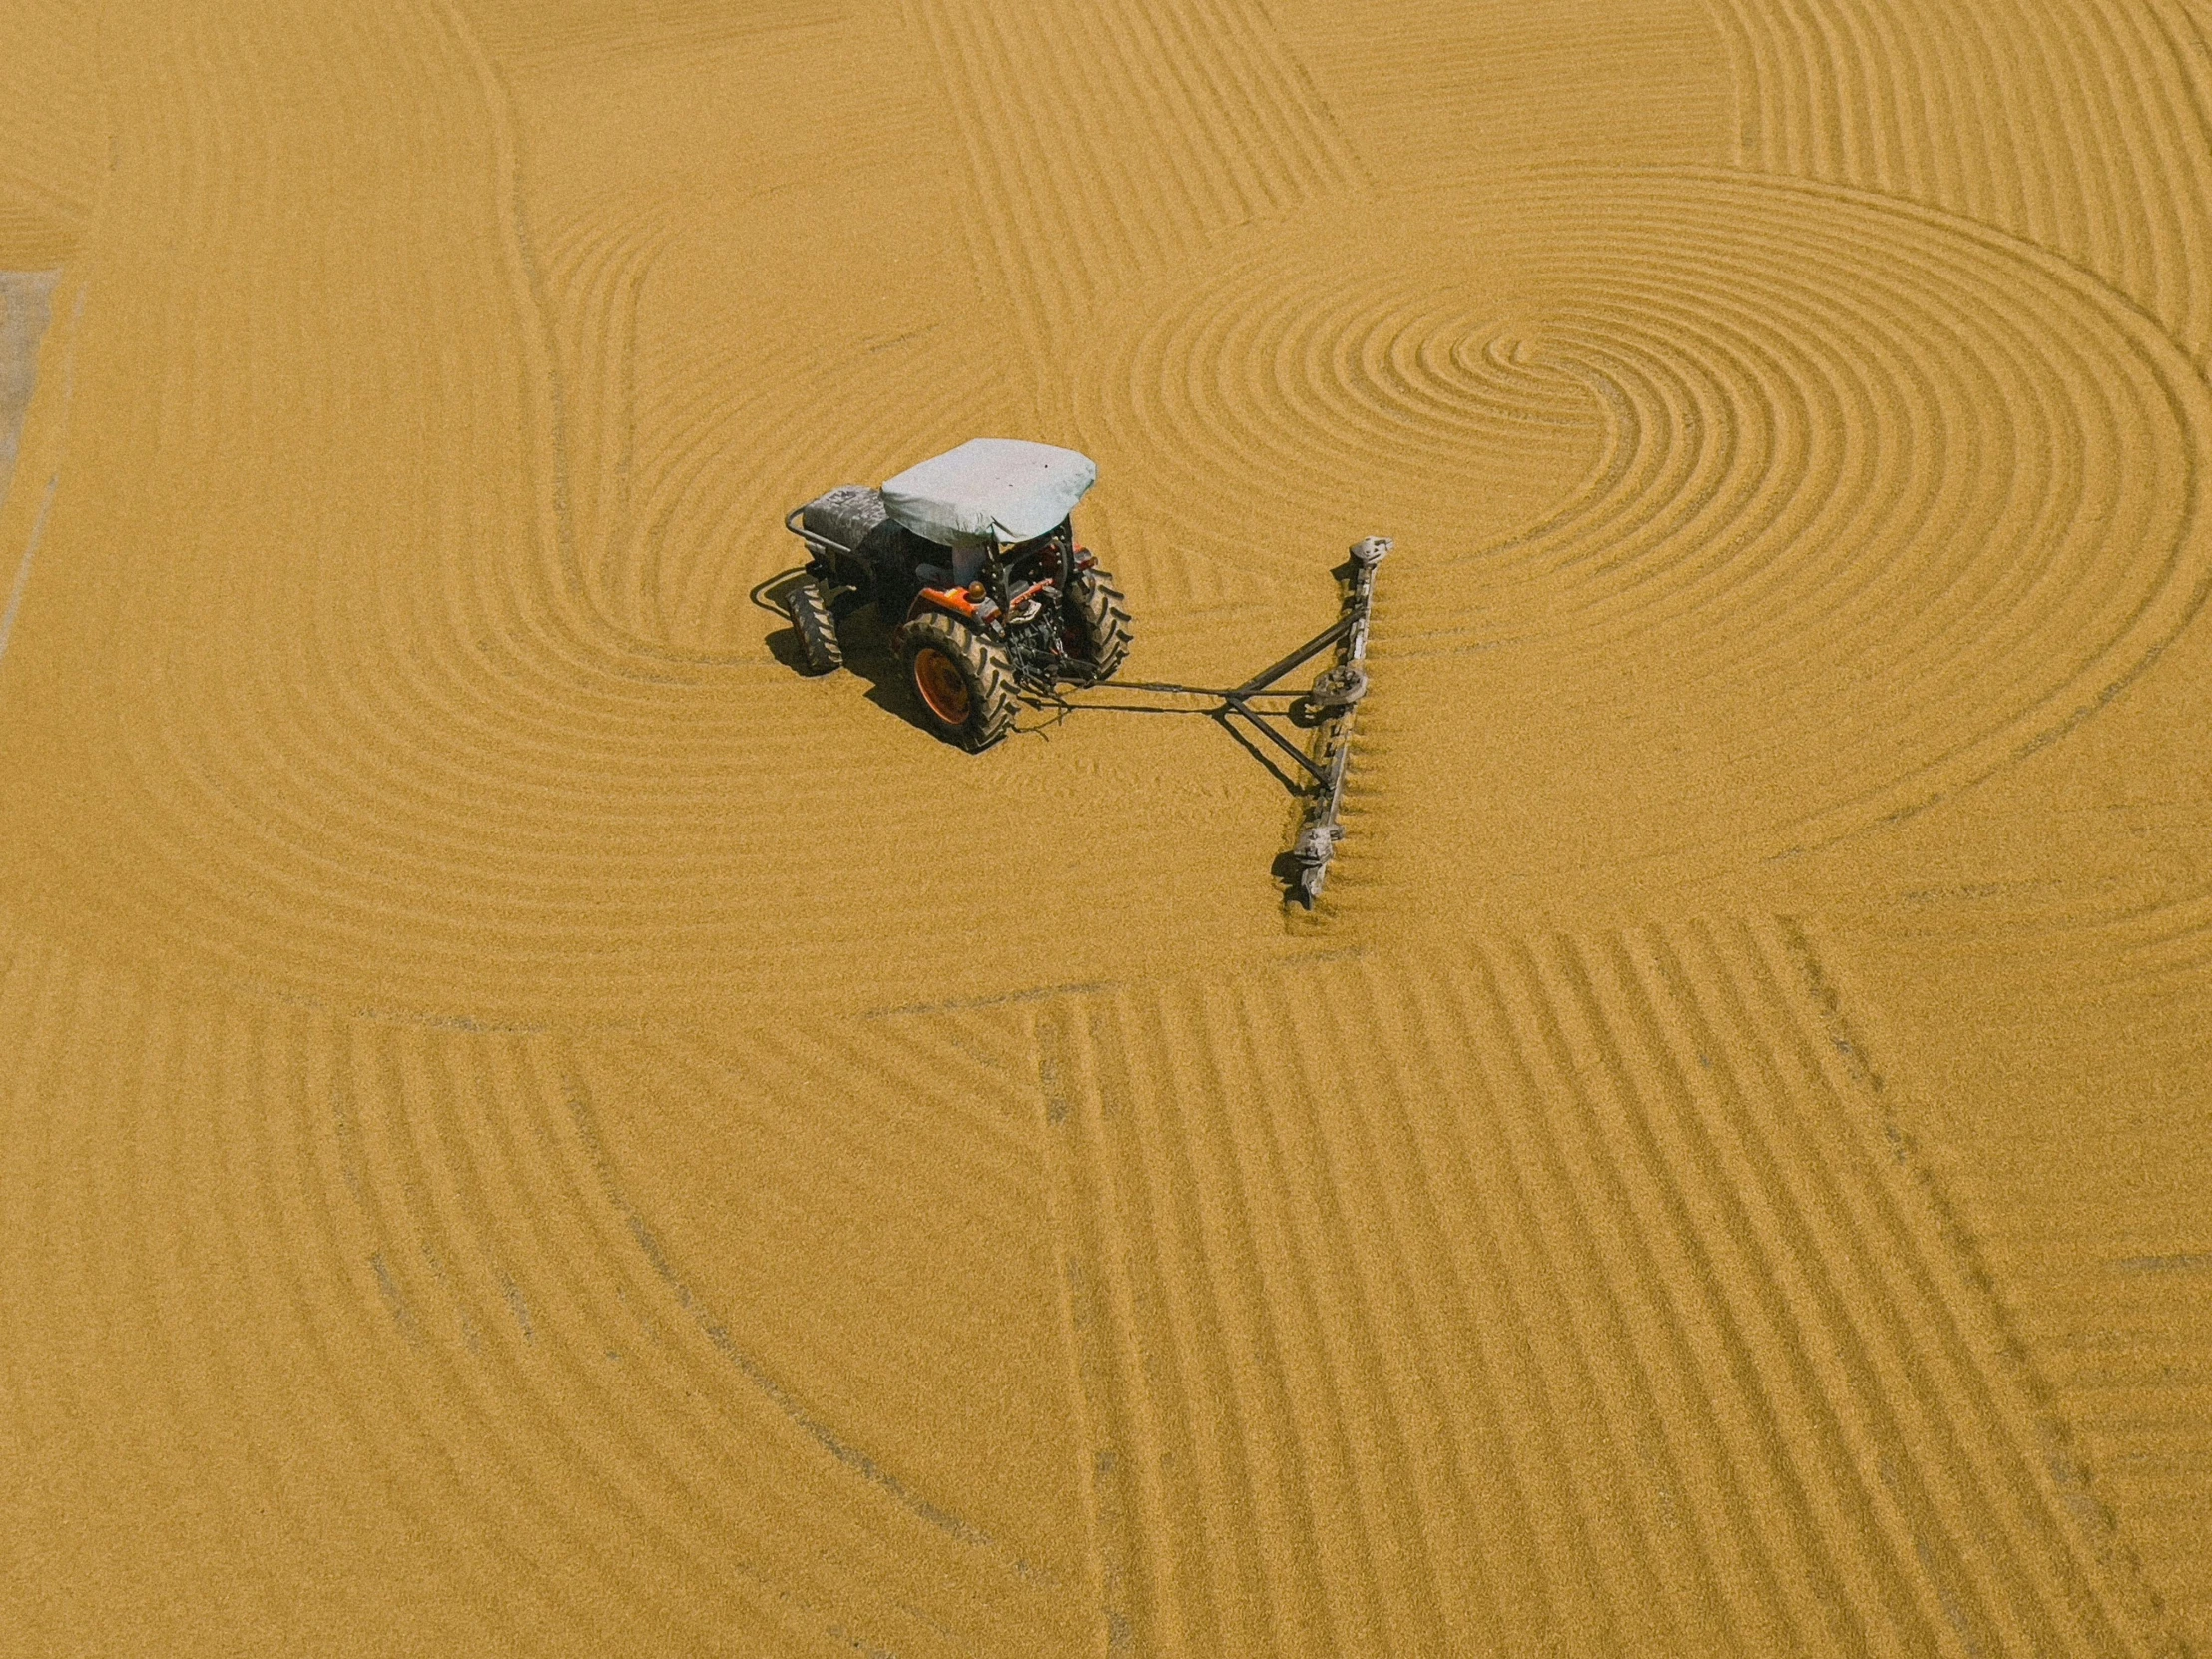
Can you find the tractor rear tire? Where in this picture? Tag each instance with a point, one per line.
(1101, 625)
(818, 629)
(963, 680)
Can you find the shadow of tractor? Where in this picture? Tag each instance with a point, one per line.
(870, 655)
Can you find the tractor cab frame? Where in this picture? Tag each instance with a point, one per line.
(972, 557)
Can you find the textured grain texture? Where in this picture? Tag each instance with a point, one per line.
(530, 1126)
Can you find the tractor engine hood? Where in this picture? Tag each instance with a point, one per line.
(990, 489)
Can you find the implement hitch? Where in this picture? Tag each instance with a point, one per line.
(1324, 709)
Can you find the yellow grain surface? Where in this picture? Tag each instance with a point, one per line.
(527, 1127)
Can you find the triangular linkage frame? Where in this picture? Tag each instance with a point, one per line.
(1322, 714)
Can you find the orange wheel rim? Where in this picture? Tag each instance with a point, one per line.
(942, 685)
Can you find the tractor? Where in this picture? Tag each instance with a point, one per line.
(974, 560)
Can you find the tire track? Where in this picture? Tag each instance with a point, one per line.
(373, 1303)
(920, 1226)
(2069, 1191)
(1603, 1235)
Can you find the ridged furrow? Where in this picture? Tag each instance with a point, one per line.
(1565, 1291)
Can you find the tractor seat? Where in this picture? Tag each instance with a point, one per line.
(966, 561)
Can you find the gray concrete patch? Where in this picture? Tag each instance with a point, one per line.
(25, 310)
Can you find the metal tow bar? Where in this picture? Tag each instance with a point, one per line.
(1325, 707)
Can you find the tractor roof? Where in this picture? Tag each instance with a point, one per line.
(989, 488)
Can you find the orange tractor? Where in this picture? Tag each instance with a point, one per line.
(972, 557)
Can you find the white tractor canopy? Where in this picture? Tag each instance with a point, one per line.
(990, 489)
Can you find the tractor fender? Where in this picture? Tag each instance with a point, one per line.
(953, 602)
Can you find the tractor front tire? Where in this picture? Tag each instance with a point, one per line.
(961, 679)
(1099, 631)
(818, 629)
